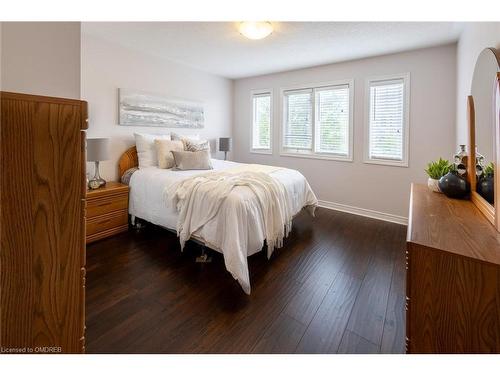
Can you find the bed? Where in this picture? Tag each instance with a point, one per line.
(236, 231)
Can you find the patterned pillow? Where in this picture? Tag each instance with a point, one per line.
(186, 160)
(125, 179)
(194, 146)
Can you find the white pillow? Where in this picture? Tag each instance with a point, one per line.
(146, 150)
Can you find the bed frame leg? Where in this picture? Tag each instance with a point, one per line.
(136, 223)
(203, 258)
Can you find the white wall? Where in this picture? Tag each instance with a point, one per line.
(374, 187)
(474, 38)
(107, 67)
(41, 58)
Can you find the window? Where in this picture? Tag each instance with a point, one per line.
(387, 125)
(317, 122)
(332, 120)
(261, 123)
(298, 122)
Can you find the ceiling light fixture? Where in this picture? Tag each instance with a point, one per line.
(255, 30)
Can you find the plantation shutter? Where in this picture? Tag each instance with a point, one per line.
(298, 120)
(261, 121)
(332, 120)
(386, 121)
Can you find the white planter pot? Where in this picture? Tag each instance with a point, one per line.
(432, 184)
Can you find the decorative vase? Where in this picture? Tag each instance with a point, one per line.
(454, 186)
(485, 188)
(461, 161)
(433, 185)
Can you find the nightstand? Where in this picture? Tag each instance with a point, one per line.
(107, 211)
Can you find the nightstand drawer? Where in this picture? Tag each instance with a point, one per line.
(106, 205)
(107, 221)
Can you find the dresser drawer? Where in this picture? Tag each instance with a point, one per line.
(96, 207)
(107, 221)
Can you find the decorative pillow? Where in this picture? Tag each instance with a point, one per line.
(177, 137)
(186, 160)
(125, 179)
(164, 149)
(146, 150)
(193, 146)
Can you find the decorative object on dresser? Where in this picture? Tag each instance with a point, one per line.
(453, 277)
(225, 146)
(107, 211)
(97, 150)
(42, 223)
(460, 161)
(435, 170)
(453, 185)
(483, 110)
(486, 183)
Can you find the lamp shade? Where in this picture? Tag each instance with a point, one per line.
(97, 149)
(225, 144)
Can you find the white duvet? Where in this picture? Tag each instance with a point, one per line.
(237, 230)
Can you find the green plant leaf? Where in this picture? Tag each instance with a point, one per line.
(438, 169)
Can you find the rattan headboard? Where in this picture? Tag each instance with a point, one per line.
(127, 160)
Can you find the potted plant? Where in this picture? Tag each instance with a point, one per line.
(485, 184)
(435, 170)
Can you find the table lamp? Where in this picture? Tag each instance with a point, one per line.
(225, 146)
(97, 150)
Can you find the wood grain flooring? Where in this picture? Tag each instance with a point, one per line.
(337, 286)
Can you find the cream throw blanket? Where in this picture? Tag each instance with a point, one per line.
(244, 201)
(199, 198)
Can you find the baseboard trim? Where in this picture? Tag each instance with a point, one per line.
(364, 212)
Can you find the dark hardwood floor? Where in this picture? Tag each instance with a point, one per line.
(337, 286)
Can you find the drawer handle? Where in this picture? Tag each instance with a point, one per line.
(104, 204)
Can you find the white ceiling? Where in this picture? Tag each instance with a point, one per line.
(218, 48)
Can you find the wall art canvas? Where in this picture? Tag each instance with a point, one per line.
(139, 108)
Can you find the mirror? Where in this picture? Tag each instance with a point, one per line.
(483, 114)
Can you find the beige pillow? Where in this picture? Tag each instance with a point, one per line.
(164, 150)
(145, 144)
(186, 160)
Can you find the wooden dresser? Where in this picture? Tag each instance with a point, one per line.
(107, 211)
(42, 195)
(453, 277)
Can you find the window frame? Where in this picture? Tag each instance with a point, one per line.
(265, 151)
(406, 121)
(313, 154)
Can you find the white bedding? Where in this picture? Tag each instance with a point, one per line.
(147, 188)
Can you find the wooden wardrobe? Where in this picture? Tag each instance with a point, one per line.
(42, 223)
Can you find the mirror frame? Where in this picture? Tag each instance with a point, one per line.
(492, 213)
